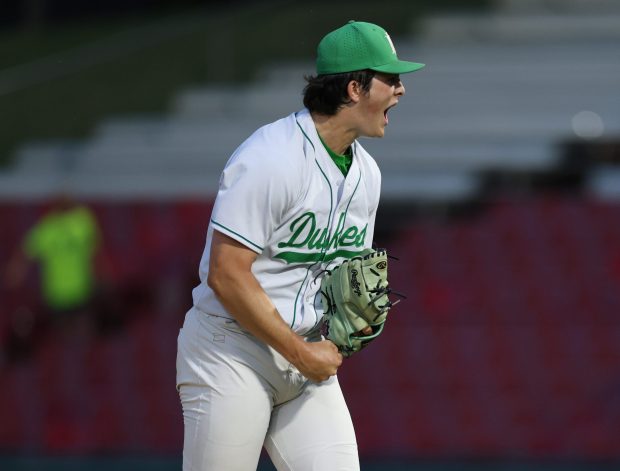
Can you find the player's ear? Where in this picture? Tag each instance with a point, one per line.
(354, 90)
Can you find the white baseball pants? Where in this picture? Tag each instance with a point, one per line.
(239, 395)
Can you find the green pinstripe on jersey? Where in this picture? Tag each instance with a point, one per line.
(215, 223)
(322, 255)
(331, 208)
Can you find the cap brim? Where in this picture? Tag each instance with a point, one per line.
(398, 67)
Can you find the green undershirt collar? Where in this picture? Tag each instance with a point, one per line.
(342, 161)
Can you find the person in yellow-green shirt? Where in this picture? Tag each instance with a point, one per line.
(63, 243)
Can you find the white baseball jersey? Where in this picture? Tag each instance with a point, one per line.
(282, 196)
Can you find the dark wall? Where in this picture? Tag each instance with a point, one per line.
(32, 13)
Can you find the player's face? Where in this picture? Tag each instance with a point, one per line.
(384, 93)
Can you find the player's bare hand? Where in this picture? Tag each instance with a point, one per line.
(319, 360)
(365, 331)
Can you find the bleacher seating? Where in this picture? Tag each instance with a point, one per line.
(500, 91)
(511, 326)
(508, 343)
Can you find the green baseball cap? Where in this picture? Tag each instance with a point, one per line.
(358, 46)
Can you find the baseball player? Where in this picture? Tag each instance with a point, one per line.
(298, 196)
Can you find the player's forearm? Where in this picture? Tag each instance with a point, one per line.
(244, 298)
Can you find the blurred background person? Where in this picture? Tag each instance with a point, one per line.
(63, 245)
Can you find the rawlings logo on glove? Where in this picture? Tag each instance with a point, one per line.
(354, 283)
(355, 301)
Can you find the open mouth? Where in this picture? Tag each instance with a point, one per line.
(385, 112)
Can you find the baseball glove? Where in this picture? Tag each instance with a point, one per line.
(355, 299)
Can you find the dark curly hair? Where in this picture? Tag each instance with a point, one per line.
(326, 94)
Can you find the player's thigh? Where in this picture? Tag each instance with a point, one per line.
(223, 431)
(226, 403)
(313, 432)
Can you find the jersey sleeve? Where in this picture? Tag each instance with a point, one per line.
(255, 191)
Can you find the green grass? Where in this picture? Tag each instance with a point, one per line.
(177, 50)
